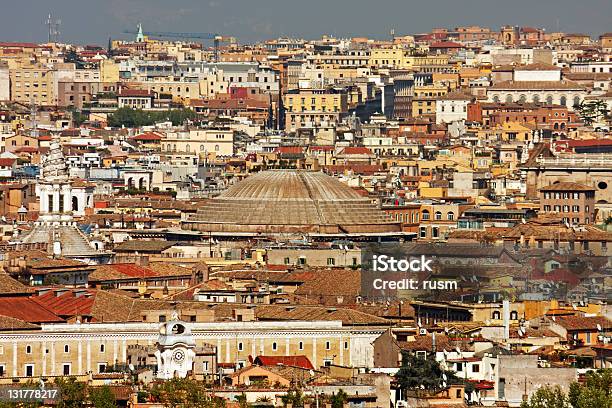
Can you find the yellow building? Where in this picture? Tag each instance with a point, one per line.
(109, 71)
(33, 83)
(309, 107)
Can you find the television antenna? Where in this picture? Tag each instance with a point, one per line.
(53, 29)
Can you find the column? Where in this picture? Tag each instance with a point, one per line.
(67, 198)
(314, 351)
(44, 357)
(88, 355)
(287, 346)
(341, 351)
(56, 199)
(14, 359)
(52, 358)
(80, 357)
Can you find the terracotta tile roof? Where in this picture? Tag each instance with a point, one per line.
(121, 271)
(143, 246)
(291, 361)
(67, 302)
(536, 85)
(26, 309)
(314, 313)
(567, 186)
(10, 323)
(537, 66)
(583, 323)
(10, 285)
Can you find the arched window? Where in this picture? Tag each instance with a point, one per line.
(188, 148)
(536, 98)
(549, 99)
(75, 201)
(514, 315)
(556, 126)
(438, 215)
(576, 101)
(522, 99)
(508, 98)
(450, 216)
(563, 100)
(425, 215)
(496, 315)
(496, 98)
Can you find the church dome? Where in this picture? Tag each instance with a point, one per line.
(291, 201)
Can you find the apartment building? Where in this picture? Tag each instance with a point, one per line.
(308, 107)
(33, 83)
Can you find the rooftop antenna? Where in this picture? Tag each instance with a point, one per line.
(53, 29)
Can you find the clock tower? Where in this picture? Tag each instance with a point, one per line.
(175, 352)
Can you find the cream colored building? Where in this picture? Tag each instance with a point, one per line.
(33, 83)
(200, 141)
(76, 349)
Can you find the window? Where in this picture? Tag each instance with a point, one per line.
(346, 345)
(421, 354)
(28, 349)
(331, 261)
(101, 367)
(450, 216)
(287, 261)
(102, 348)
(438, 215)
(425, 215)
(459, 367)
(274, 346)
(423, 232)
(240, 347)
(301, 345)
(66, 369)
(475, 368)
(66, 348)
(435, 232)
(327, 345)
(29, 370)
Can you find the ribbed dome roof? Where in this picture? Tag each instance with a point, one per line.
(290, 201)
(288, 185)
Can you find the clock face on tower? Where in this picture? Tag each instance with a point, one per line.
(178, 356)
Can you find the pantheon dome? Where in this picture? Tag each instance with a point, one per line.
(291, 201)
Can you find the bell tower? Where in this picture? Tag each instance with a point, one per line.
(175, 352)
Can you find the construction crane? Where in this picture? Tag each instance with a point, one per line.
(217, 39)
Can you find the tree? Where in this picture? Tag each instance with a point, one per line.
(184, 393)
(595, 393)
(293, 397)
(242, 400)
(102, 397)
(422, 373)
(72, 392)
(338, 399)
(547, 397)
(592, 111)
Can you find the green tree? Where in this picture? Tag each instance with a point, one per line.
(592, 111)
(422, 373)
(242, 400)
(547, 397)
(184, 393)
(102, 397)
(293, 397)
(338, 399)
(72, 392)
(595, 393)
